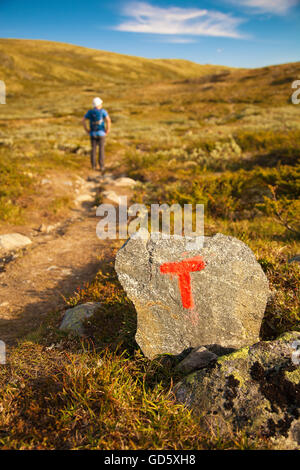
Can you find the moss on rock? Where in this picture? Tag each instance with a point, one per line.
(255, 390)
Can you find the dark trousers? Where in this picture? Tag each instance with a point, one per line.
(100, 142)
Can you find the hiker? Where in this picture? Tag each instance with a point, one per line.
(99, 127)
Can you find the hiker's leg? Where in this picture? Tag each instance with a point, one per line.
(101, 151)
(93, 152)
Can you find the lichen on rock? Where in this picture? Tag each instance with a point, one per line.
(255, 389)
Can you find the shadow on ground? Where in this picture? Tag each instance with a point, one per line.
(51, 300)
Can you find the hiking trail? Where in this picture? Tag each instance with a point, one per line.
(61, 258)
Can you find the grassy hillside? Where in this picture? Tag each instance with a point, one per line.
(44, 78)
(44, 69)
(229, 138)
(44, 62)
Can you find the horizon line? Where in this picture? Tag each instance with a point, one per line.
(148, 58)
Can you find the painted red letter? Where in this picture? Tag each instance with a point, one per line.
(182, 269)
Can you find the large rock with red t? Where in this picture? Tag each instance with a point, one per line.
(214, 296)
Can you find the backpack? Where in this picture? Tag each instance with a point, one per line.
(96, 119)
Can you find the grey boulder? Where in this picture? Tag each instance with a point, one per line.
(221, 304)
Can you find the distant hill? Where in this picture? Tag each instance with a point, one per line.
(46, 78)
(24, 63)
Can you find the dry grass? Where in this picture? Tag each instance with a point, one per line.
(66, 400)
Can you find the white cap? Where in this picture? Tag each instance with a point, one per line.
(97, 102)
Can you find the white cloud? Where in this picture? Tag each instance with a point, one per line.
(145, 18)
(179, 40)
(279, 7)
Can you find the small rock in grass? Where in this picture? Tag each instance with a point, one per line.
(124, 181)
(47, 228)
(112, 196)
(85, 198)
(74, 317)
(197, 359)
(45, 181)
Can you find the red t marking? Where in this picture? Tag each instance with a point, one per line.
(182, 269)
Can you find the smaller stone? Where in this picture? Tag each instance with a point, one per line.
(28, 173)
(42, 228)
(296, 354)
(47, 228)
(74, 317)
(66, 272)
(80, 180)
(197, 359)
(13, 241)
(112, 196)
(107, 178)
(2, 353)
(126, 182)
(87, 197)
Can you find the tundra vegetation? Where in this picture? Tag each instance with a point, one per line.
(228, 138)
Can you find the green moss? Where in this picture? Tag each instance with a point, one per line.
(289, 336)
(240, 354)
(192, 378)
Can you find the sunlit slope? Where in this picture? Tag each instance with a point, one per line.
(271, 86)
(25, 63)
(46, 79)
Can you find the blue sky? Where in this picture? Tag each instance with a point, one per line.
(241, 33)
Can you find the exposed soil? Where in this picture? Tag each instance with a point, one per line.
(35, 281)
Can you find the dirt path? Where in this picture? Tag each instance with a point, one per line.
(54, 265)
